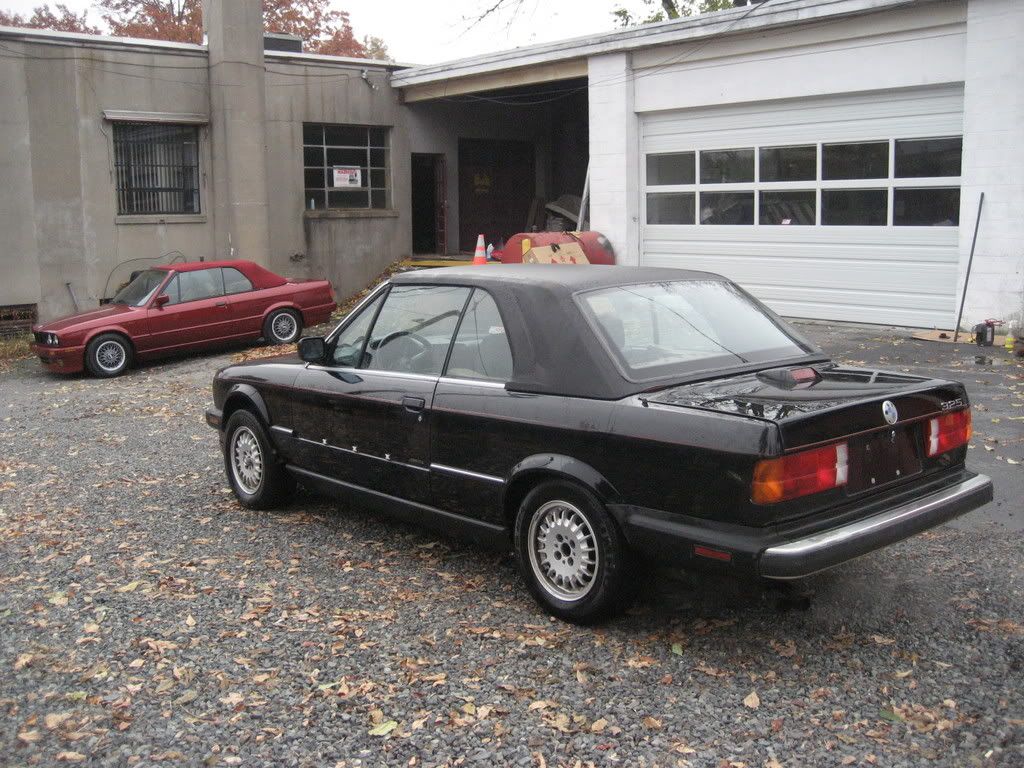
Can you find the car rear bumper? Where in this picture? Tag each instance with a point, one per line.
(59, 359)
(819, 551)
(804, 547)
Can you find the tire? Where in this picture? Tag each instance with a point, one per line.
(582, 578)
(108, 355)
(282, 326)
(255, 474)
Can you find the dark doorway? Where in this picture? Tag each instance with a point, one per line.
(429, 230)
(497, 183)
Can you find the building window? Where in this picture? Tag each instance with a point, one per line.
(157, 168)
(912, 182)
(345, 166)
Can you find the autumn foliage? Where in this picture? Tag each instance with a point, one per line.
(322, 29)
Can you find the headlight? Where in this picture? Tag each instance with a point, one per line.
(52, 340)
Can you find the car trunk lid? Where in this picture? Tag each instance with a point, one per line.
(881, 416)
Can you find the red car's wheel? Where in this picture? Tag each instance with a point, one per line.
(282, 326)
(108, 355)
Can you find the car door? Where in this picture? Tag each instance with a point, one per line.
(371, 423)
(195, 315)
(246, 304)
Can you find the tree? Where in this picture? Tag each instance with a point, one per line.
(322, 29)
(376, 48)
(669, 9)
(177, 20)
(60, 18)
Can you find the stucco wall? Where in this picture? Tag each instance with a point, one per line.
(57, 202)
(348, 247)
(994, 162)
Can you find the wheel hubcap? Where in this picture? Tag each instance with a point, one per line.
(110, 356)
(283, 326)
(246, 460)
(563, 551)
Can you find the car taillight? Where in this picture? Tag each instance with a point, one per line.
(799, 474)
(948, 431)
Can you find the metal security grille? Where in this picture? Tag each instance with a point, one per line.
(157, 168)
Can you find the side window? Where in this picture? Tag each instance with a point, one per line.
(200, 284)
(235, 281)
(173, 290)
(481, 349)
(349, 344)
(414, 328)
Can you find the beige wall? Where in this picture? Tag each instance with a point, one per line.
(58, 214)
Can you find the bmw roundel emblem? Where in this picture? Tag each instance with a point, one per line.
(889, 412)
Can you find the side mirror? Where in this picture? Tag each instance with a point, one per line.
(160, 300)
(312, 349)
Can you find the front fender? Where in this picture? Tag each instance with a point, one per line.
(241, 395)
(556, 465)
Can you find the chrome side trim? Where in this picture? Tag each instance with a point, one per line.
(466, 473)
(354, 452)
(282, 430)
(819, 551)
(471, 382)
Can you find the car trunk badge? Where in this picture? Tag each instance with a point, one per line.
(889, 412)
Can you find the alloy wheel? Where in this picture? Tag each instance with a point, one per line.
(110, 356)
(246, 460)
(284, 327)
(563, 551)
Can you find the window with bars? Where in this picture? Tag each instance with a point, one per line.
(345, 166)
(157, 168)
(888, 182)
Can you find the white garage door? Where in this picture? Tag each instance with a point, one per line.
(832, 208)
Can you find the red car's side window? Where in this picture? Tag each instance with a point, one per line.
(200, 284)
(235, 281)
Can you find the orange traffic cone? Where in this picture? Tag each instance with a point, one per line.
(480, 256)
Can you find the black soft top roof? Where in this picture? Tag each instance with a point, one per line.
(555, 350)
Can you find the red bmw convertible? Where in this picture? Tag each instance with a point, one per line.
(180, 308)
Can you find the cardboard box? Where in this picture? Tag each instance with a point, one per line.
(564, 253)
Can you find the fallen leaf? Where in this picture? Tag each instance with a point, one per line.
(54, 720)
(677, 649)
(752, 701)
(23, 660)
(652, 722)
(881, 640)
(232, 699)
(383, 729)
(598, 725)
(70, 757)
(29, 737)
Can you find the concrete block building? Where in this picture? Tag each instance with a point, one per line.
(829, 155)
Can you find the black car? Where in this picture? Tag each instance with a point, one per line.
(590, 417)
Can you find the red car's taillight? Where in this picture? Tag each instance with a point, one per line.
(948, 431)
(799, 474)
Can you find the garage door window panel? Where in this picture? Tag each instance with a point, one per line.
(727, 166)
(854, 207)
(926, 207)
(920, 158)
(866, 160)
(671, 207)
(671, 168)
(789, 163)
(727, 208)
(789, 207)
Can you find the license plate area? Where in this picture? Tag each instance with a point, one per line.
(882, 458)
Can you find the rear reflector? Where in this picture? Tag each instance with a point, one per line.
(799, 474)
(712, 554)
(948, 431)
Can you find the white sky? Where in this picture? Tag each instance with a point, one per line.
(428, 32)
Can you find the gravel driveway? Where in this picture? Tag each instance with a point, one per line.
(145, 618)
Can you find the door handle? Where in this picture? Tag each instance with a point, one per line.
(413, 404)
(221, 304)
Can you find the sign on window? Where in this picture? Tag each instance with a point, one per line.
(347, 176)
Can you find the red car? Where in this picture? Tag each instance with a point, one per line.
(179, 308)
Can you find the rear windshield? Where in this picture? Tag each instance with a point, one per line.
(656, 330)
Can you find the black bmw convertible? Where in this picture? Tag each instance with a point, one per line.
(592, 417)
